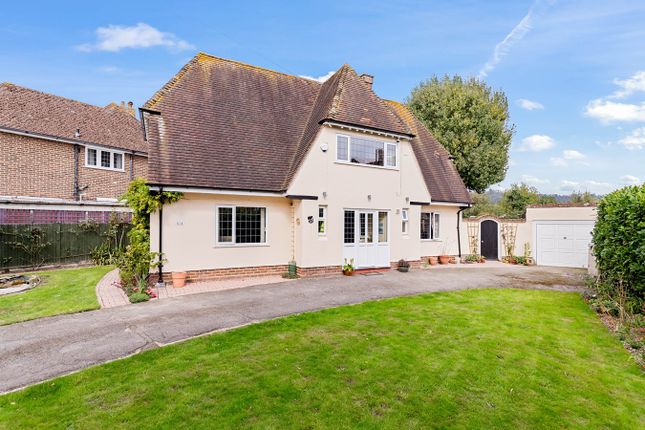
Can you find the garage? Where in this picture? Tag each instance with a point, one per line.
(563, 243)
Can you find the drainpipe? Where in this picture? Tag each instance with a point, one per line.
(160, 282)
(77, 191)
(459, 229)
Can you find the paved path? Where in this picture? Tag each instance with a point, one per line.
(108, 294)
(37, 350)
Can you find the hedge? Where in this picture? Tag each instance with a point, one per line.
(619, 240)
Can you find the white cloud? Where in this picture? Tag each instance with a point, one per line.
(559, 162)
(529, 104)
(113, 38)
(320, 79)
(630, 180)
(569, 185)
(629, 86)
(572, 154)
(636, 140)
(532, 180)
(602, 185)
(537, 143)
(608, 111)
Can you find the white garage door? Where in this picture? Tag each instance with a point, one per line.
(563, 243)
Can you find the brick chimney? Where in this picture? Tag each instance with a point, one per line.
(129, 108)
(368, 79)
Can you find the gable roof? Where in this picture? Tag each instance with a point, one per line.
(34, 112)
(440, 174)
(229, 125)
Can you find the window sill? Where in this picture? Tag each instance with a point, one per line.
(241, 245)
(431, 240)
(105, 168)
(348, 163)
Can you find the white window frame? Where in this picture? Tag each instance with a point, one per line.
(99, 150)
(233, 215)
(405, 221)
(385, 147)
(434, 217)
(323, 219)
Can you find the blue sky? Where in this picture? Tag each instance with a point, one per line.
(574, 71)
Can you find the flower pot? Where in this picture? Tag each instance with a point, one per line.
(178, 279)
(403, 269)
(444, 259)
(348, 272)
(432, 261)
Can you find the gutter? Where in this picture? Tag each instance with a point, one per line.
(160, 282)
(66, 140)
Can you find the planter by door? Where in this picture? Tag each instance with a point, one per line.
(489, 239)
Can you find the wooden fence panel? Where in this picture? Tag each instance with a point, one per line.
(62, 243)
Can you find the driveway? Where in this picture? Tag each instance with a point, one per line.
(38, 350)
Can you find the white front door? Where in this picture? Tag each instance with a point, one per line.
(563, 243)
(366, 238)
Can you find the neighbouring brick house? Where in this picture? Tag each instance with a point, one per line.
(54, 150)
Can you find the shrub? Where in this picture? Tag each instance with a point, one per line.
(619, 244)
(138, 297)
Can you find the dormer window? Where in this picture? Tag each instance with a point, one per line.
(364, 151)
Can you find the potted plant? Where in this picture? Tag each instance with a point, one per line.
(348, 267)
(178, 279)
(433, 260)
(403, 266)
(444, 258)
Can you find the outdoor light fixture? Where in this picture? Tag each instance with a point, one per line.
(369, 197)
(77, 133)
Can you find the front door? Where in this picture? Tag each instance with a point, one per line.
(489, 240)
(366, 238)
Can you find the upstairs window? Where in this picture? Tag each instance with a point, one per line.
(430, 226)
(366, 151)
(241, 225)
(99, 158)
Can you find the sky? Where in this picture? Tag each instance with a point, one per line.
(573, 71)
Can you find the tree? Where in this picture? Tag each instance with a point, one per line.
(471, 121)
(518, 197)
(583, 198)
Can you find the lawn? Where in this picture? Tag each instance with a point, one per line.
(62, 292)
(470, 359)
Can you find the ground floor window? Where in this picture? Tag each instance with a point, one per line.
(349, 226)
(322, 220)
(404, 221)
(241, 225)
(430, 225)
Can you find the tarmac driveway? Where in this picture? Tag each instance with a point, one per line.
(38, 350)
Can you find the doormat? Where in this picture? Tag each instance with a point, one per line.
(372, 274)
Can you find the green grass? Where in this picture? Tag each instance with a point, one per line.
(61, 292)
(486, 359)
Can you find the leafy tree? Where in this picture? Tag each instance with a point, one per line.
(482, 205)
(471, 121)
(583, 198)
(519, 196)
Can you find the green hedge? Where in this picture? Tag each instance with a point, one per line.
(619, 240)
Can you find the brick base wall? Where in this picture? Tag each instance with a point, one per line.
(319, 271)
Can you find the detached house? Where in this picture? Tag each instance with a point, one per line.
(60, 158)
(276, 168)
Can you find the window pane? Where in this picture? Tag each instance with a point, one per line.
(370, 227)
(349, 227)
(105, 159)
(382, 226)
(391, 155)
(404, 214)
(321, 227)
(425, 225)
(322, 221)
(342, 144)
(118, 161)
(435, 227)
(91, 157)
(321, 212)
(225, 225)
(249, 225)
(364, 151)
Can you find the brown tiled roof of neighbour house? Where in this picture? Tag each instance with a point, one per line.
(229, 125)
(34, 112)
(441, 176)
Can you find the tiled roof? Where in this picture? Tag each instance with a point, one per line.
(32, 111)
(229, 125)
